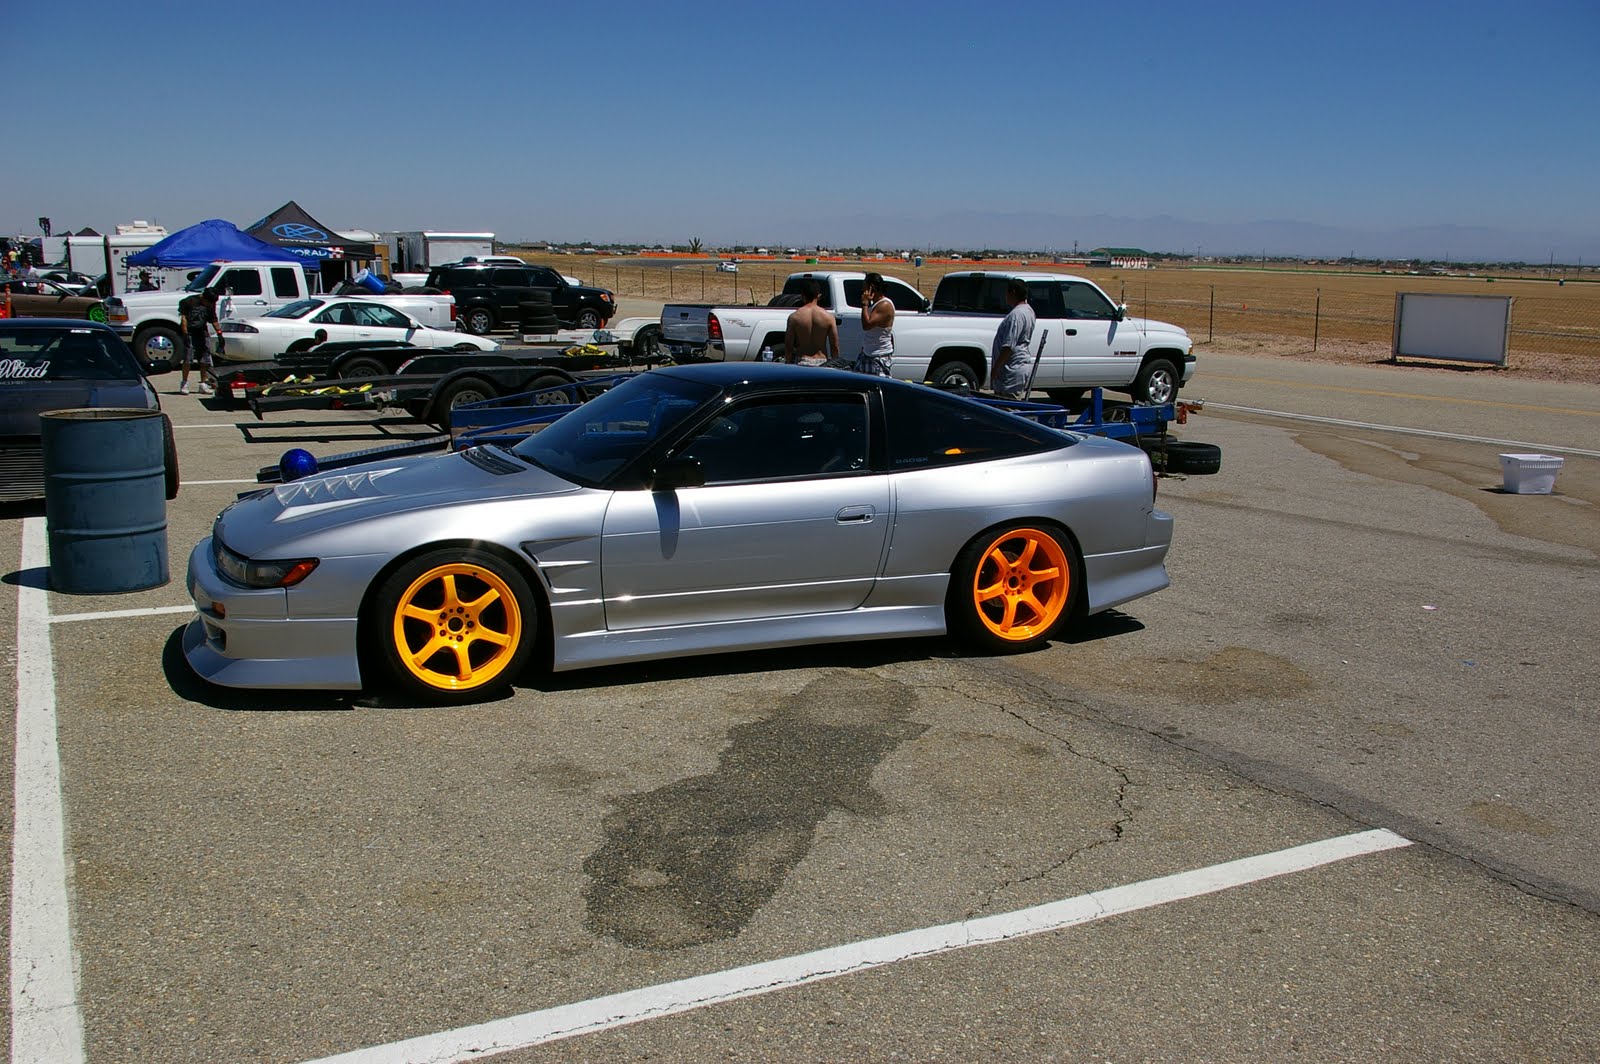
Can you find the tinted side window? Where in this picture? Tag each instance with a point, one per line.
(1082, 301)
(956, 293)
(509, 277)
(791, 287)
(239, 282)
(541, 277)
(928, 429)
(852, 292)
(284, 284)
(1045, 299)
(773, 439)
(903, 296)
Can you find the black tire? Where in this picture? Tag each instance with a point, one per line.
(362, 367)
(478, 321)
(955, 375)
(459, 392)
(1064, 396)
(159, 341)
(169, 457)
(1157, 382)
(589, 318)
(647, 343)
(997, 609)
(467, 592)
(300, 347)
(1183, 456)
(549, 380)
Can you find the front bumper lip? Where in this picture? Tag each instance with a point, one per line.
(255, 643)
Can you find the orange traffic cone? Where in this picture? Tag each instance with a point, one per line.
(5, 310)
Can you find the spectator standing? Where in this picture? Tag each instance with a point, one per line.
(146, 284)
(812, 336)
(877, 329)
(195, 313)
(1012, 354)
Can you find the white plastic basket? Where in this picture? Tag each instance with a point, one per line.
(1530, 474)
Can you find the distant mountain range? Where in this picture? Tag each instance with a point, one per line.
(1164, 233)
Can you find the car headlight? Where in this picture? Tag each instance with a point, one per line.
(237, 569)
(237, 327)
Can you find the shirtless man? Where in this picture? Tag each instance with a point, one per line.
(813, 335)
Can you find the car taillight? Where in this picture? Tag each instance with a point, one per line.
(713, 327)
(452, 312)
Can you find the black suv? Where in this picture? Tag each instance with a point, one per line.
(488, 296)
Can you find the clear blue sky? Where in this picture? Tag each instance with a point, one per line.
(926, 124)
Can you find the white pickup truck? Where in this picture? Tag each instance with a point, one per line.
(1084, 340)
(149, 320)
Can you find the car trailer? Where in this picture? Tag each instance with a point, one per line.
(508, 419)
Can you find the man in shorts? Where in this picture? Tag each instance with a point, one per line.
(194, 314)
(812, 336)
(877, 329)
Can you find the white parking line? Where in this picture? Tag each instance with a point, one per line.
(618, 1010)
(46, 1025)
(103, 615)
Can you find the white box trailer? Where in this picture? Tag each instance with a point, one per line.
(417, 252)
(87, 254)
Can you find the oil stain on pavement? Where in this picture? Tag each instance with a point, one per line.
(694, 861)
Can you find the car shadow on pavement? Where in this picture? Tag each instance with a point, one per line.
(191, 688)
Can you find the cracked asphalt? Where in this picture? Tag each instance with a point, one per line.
(1360, 633)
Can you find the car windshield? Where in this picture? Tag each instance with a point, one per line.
(298, 309)
(56, 354)
(597, 440)
(202, 279)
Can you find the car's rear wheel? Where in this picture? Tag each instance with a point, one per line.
(1012, 586)
(647, 343)
(955, 375)
(169, 457)
(478, 321)
(455, 624)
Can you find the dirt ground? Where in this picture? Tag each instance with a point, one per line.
(1521, 365)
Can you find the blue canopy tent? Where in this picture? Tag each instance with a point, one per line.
(205, 243)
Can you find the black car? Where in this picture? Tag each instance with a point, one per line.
(63, 364)
(490, 297)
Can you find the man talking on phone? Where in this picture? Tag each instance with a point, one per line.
(877, 329)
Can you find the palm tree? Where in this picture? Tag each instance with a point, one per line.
(695, 246)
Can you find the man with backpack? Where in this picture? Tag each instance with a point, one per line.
(194, 314)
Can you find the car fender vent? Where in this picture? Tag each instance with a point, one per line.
(491, 462)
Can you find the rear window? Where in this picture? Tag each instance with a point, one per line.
(791, 287)
(928, 429)
(64, 355)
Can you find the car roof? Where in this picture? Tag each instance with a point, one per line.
(18, 324)
(1021, 275)
(741, 376)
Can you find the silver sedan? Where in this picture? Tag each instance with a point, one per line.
(688, 510)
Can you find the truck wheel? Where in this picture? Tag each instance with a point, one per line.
(955, 375)
(158, 341)
(455, 624)
(1183, 456)
(169, 457)
(1157, 382)
(1011, 587)
(362, 367)
(588, 319)
(478, 320)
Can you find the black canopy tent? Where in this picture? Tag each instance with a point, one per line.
(290, 227)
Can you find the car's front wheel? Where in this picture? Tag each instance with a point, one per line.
(455, 624)
(1011, 587)
(588, 318)
(1157, 382)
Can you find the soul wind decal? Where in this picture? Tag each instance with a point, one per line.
(14, 369)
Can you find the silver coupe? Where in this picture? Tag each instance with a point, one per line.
(688, 510)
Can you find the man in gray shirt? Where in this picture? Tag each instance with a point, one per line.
(1012, 354)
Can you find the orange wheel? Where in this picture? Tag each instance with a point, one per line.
(455, 623)
(1012, 587)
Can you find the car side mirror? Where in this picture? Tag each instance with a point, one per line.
(677, 473)
(1122, 312)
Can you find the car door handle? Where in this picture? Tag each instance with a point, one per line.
(1070, 332)
(261, 302)
(855, 515)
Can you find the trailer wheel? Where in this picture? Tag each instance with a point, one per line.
(1157, 382)
(478, 320)
(646, 343)
(1184, 456)
(954, 375)
(362, 367)
(461, 391)
(549, 380)
(1011, 587)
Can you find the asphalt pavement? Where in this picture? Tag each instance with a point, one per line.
(812, 854)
